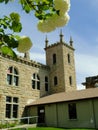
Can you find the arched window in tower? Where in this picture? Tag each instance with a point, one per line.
(70, 80)
(46, 83)
(55, 80)
(12, 76)
(35, 81)
(68, 57)
(54, 58)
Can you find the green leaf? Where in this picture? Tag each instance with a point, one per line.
(16, 27)
(1, 44)
(1, 1)
(10, 41)
(1, 30)
(6, 38)
(3, 23)
(16, 37)
(15, 17)
(8, 51)
(6, 1)
(27, 8)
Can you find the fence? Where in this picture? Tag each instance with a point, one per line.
(19, 122)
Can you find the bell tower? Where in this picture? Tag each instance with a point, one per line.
(60, 59)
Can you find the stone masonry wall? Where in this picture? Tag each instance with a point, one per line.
(62, 69)
(69, 68)
(24, 91)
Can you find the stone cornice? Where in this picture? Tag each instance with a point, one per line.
(25, 61)
(58, 43)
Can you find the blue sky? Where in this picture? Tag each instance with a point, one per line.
(83, 27)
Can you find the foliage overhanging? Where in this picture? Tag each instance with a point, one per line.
(44, 10)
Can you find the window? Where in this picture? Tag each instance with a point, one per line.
(11, 107)
(72, 111)
(46, 83)
(8, 110)
(35, 81)
(70, 80)
(12, 76)
(68, 56)
(55, 81)
(54, 58)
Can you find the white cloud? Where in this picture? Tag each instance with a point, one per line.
(39, 57)
(86, 66)
(80, 87)
(86, 57)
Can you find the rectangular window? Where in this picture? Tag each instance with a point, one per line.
(15, 111)
(8, 99)
(15, 99)
(8, 110)
(11, 107)
(72, 111)
(33, 84)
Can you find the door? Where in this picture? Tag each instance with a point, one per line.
(41, 114)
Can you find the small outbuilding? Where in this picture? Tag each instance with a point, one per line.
(77, 109)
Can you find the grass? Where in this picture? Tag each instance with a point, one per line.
(57, 129)
(50, 128)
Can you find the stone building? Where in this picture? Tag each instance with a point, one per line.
(23, 80)
(91, 82)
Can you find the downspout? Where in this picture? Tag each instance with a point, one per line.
(94, 113)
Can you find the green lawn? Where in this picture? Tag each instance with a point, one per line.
(50, 128)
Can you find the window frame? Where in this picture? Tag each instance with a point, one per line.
(70, 80)
(35, 81)
(72, 111)
(54, 58)
(46, 83)
(11, 111)
(55, 80)
(68, 58)
(12, 76)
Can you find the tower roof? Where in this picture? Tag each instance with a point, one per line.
(27, 55)
(61, 36)
(71, 41)
(47, 46)
(46, 42)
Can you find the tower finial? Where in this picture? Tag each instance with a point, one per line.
(46, 42)
(61, 36)
(71, 41)
(27, 55)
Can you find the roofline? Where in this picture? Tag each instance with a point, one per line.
(20, 59)
(86, 98)
(67, 97)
